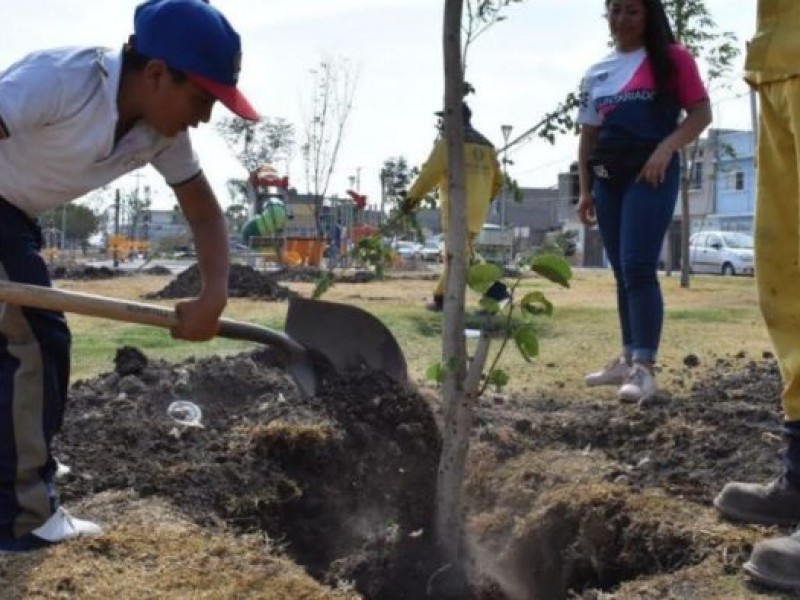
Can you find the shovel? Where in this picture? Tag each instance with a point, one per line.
(343, 336)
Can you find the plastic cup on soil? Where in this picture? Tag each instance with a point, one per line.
(185, 413)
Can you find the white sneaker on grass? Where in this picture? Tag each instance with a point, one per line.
(614, 373)
(639, 385)
(60, 527)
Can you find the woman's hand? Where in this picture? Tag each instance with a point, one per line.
(586, 210)
(655, 169)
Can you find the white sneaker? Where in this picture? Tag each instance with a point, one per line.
(614, 373)
(639, 385)
(63, 526)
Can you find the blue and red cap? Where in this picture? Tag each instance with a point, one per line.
(193, 37)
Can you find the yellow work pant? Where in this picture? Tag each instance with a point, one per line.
(777, 230)
(441, 285)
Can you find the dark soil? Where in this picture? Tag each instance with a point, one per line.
(347, 480)
(243, 282)
(312, 274)
(84, 272)
(726, 427)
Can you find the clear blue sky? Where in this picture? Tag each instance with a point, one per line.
(521, 68)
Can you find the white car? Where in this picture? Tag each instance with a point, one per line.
(721, 252)
(433, 250)
(408, 250)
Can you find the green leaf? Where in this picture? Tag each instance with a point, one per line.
(552, 267)
(481, 277)
(535, 303)
(490, 306)
(436, 372)
(498, 377)
(527, 342)
(323, 284)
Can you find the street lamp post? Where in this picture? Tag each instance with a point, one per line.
(506, 131)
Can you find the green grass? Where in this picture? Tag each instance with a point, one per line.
(714, 317)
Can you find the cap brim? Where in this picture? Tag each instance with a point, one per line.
(229, 95)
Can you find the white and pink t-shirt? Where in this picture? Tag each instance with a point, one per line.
(618, 95)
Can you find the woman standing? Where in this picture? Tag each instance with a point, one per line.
(631, 104)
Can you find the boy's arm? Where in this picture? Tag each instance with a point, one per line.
(199, 316)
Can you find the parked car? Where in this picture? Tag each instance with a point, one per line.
(408, 250)
(433, 250)
(721, 252)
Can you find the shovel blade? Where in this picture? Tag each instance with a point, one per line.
(348, 337)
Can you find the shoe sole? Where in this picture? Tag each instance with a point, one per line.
(604, 383)
(753, 518)
(639, 400)
(770, 580)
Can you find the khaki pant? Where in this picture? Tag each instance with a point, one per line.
(777, 230)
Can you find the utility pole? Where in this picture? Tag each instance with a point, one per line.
(506, 131)
(63, 227)
(116, 229)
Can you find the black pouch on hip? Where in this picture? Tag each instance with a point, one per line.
(619, 164)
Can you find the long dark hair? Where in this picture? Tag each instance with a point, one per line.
(658, 37)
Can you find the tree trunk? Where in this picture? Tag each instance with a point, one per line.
(457, 409)
(686, 218)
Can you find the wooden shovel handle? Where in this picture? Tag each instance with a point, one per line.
(35, 296)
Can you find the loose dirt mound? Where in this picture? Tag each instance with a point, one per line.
(346, 481)
(243, 282)
(567, 498)
(580, 497)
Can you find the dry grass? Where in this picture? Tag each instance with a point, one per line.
(715, 317)
(151, 552)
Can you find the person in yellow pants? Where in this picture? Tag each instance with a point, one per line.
(773, 68)
(483, 182)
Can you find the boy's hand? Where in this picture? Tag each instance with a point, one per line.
(198, 319)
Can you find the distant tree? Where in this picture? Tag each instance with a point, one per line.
(236, 216)
(333, 88)
(81, 222)
(135, 212)
(256, 144)
(716, 52)
(396, 176)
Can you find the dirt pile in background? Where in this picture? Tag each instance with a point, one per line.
(84, 272)
(81, 272)
(243, 282)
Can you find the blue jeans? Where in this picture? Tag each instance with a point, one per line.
(34, 378)
(633, 220)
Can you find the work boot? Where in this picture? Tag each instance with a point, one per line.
(614, 373)
(776, 562)
(60, 527)
(639, 385)
(437, 305)
(776, 503)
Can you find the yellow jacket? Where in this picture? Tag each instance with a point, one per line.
(774, 52)
(483, 178)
